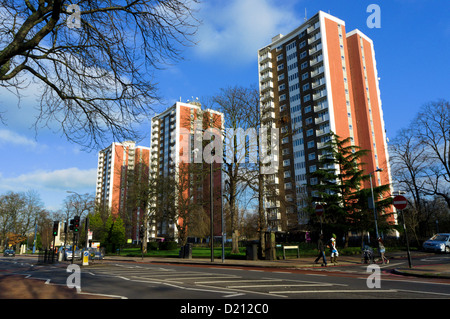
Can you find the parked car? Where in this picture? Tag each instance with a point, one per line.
(68, 254)
(95, 253)
(9, 253)
(438, 243)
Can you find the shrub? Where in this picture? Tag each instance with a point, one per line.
(152, 245)
(168, 245)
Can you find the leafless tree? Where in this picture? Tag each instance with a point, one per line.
(96, 79)
(432, 129)
(231, 102)
(419, 157)
(409, 161)
(78, 205)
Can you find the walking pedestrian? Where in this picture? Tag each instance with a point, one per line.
(333, 249)
(321, 249)
(382, 250)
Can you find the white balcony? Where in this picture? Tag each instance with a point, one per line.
(266, 86)
(268, 106)
(265, 57)
(274, 204)
(322, 106)
(317, 71)
(315, 49)
(272, 180)
(316, 59)
(314, 38)
(266, 66)
(267, 116)
(321, 145)
(273, 216)
(267, 96)
(267, 76)
(318, 82)
(322, 132)
(322, 119)
(313, 27)
(319, 95)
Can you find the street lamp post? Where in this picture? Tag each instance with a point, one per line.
(212, 212)
(373, 201)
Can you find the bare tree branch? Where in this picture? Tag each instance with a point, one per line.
(96, 80)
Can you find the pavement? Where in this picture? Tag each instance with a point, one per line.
(18, 287)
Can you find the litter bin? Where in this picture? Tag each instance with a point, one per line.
(252, 251)
(186, 251)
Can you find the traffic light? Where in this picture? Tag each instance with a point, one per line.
(55, 228)
(71, 225)
(76, 224)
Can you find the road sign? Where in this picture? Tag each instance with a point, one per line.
(400, 202)
(319, 210)
(86, 258)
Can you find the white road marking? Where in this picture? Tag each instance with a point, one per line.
(331, 291)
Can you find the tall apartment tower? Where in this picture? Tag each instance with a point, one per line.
(176, 143)
(314, 80)
(121, 167)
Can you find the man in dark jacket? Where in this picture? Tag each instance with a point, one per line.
(321, 249)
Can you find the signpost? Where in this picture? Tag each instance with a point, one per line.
(319, 211)
(400, 204)
(86, 258)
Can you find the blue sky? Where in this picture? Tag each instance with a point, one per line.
(411, 48)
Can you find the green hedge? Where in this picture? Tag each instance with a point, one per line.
(168, 245)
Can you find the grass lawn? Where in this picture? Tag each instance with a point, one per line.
(306, 250)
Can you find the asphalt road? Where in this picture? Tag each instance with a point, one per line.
(208, 282)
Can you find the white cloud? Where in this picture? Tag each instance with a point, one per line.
(236, 31)
(63, 179)
(8, 137)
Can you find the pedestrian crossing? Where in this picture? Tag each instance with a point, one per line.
(224, 283)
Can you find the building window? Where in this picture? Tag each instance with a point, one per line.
(290, 46)
(310, 132)
(280, 67)
(310, 144)
(303, 55)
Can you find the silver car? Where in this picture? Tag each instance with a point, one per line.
(438, 243)
(68, 254)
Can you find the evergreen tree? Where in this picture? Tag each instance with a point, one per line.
(337, 185)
